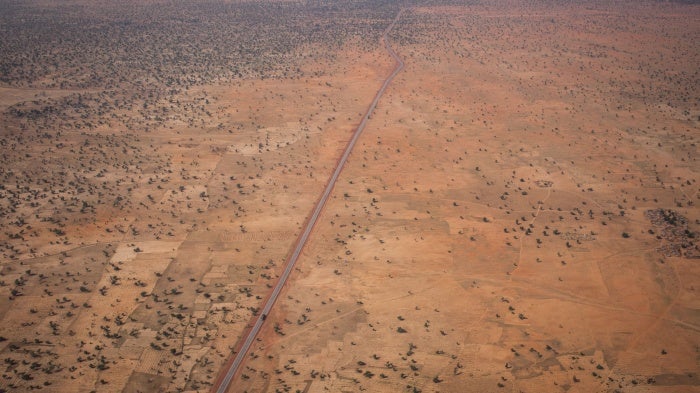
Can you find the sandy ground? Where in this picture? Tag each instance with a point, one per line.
(496, 228)
(490, 232)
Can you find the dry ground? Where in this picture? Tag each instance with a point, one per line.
(497, 227)
(151, 292)
(489, 232)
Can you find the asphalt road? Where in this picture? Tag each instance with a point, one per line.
(233, 366)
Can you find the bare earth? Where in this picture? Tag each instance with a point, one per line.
(520, 214)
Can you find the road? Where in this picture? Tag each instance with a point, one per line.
(244, 346)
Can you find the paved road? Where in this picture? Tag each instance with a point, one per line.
(233, 366)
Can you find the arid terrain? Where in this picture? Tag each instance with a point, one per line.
(520, 213)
